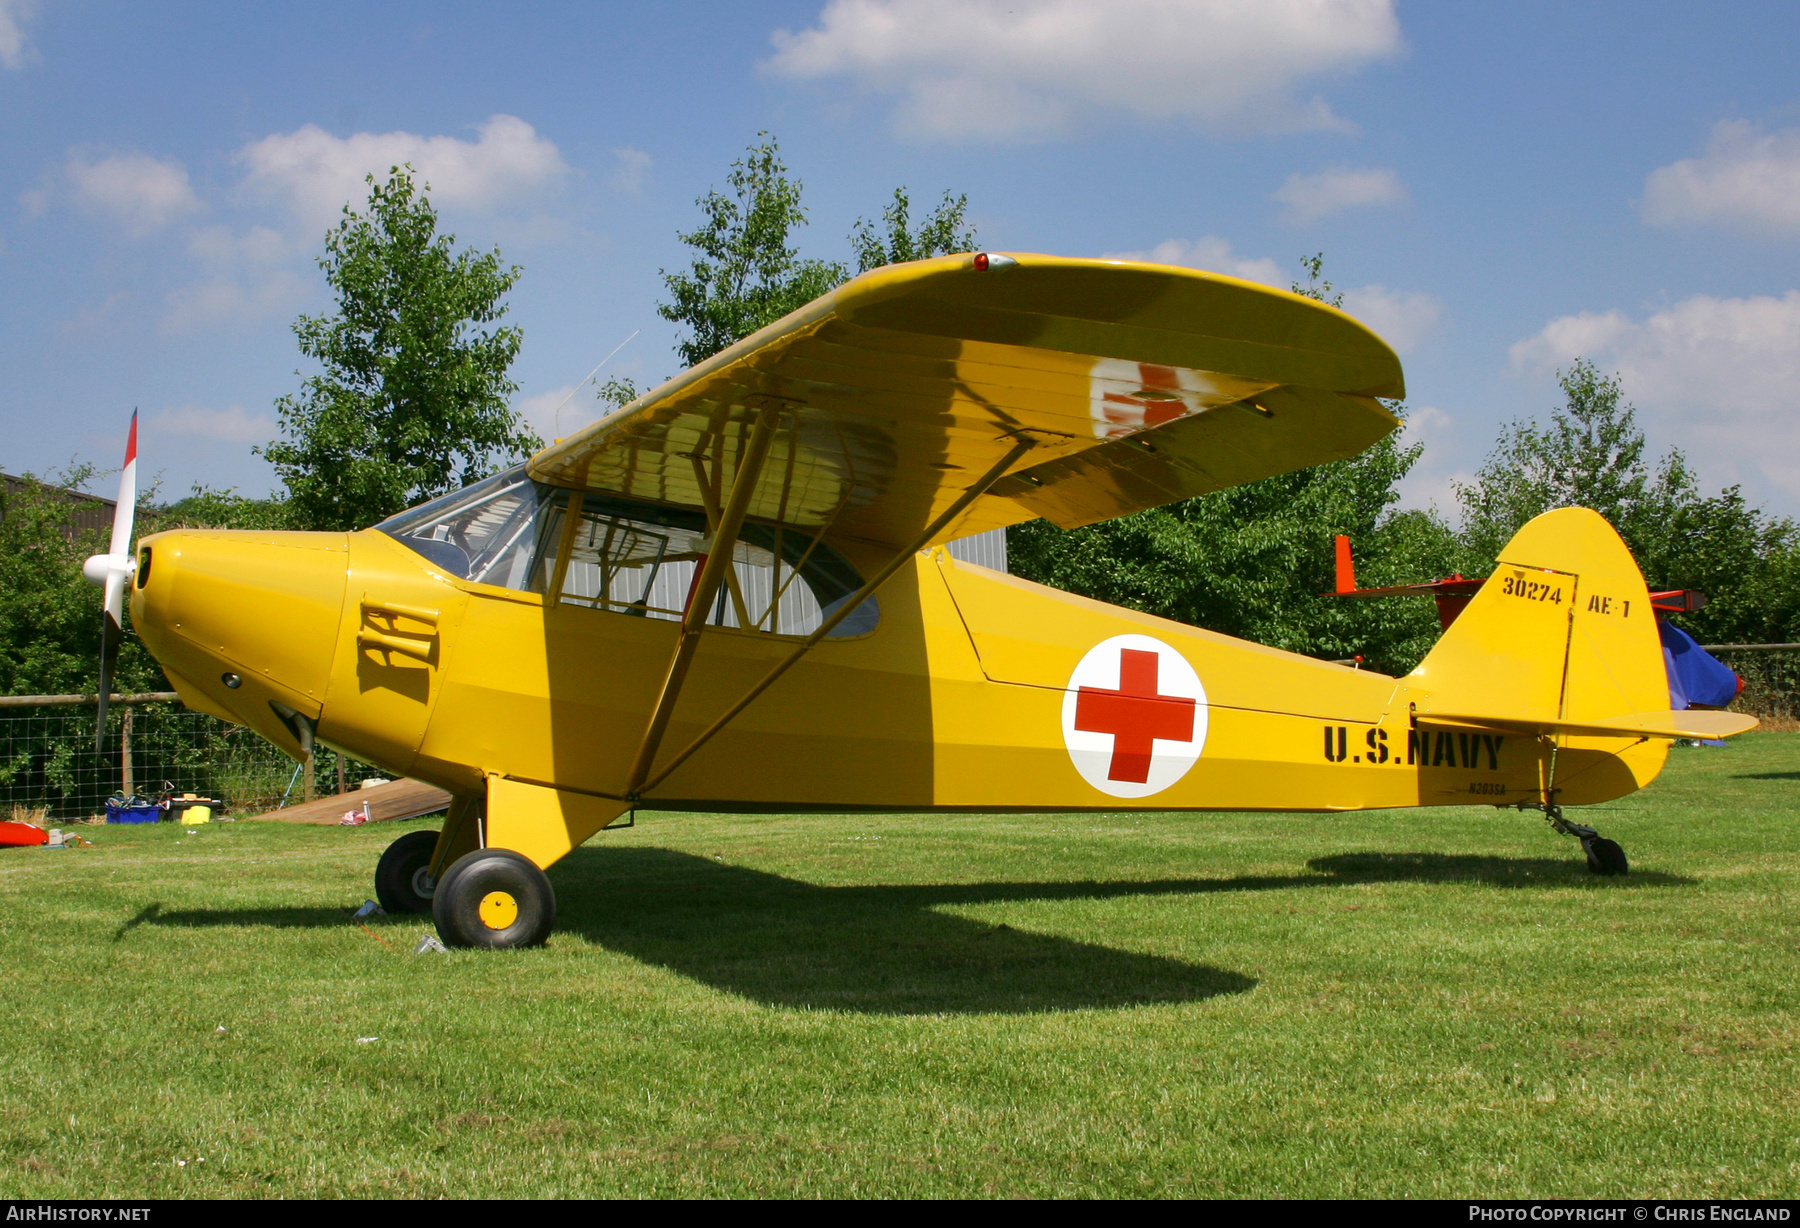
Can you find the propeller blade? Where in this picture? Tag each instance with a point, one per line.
(126, 509)
(113, 570)
(110, 635)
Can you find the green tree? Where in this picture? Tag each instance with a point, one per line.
(746, 273)
(1590, 454)
(1745, 561)
(49, 614)
(413, 400)
(209, 507)
(618, 391)
(1315, 286)
(1254, 561)
(942, 231)
(1593, 453)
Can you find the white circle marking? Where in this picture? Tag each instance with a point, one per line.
(1133, 716)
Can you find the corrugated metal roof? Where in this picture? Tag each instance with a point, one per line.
(983, 549)
(90, 512)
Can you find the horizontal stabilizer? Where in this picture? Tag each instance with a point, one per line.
(1689, 723)
(1454, 588)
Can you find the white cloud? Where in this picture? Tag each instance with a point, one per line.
(233, 424)
(1432, 481)
(14, 50)
(1567, 338)
(1211, 253)
(1311, 197)
(1034, 68)
(1747, 179)
(1721, 377)
(218, 246)
(317, 173)
(93, 317)
(141, 192)
(632, 171)
(230, 299)
(540, 411)
(244, 282)
(1402, 318)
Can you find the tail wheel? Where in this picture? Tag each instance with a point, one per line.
(494, 898)
(403, 875)
(1605, 857)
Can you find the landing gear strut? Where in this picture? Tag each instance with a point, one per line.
(1604, 856)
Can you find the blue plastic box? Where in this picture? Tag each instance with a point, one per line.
(133, 812)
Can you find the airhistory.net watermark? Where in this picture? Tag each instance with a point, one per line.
(61, 1213)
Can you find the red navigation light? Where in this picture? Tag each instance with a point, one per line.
(981, 262)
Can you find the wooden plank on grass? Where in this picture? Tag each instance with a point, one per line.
(398, 799)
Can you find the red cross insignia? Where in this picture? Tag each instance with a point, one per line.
(1134, 716)
(1127, 397)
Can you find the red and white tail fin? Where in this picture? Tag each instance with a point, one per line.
(1346, 569)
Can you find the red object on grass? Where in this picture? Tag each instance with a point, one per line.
(21, 835)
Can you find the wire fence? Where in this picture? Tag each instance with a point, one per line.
(1771, 674)
(49, 769)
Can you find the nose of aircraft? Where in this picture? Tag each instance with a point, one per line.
(244, 623)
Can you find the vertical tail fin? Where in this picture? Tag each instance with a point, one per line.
(1560, 645)
(1562, 633)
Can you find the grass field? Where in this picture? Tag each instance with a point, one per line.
(1435, 1003)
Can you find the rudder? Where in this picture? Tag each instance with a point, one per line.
(1561, 632)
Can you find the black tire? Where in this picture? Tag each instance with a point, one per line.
(494, 898)
(403, 875)
(1606, 857)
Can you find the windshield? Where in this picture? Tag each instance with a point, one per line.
(626, 557)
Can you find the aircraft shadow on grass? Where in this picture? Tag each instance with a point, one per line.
(888, 949)
(1768, 776)
(1538, 872)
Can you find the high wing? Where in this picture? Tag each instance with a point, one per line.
(1128, 386)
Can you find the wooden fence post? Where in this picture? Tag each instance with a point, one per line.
(127, 787)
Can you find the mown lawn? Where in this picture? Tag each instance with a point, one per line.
(1437, 1003)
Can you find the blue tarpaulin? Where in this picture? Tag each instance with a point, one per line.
(1695, 677)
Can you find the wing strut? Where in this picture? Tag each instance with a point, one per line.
(713, 569)
(844, 610)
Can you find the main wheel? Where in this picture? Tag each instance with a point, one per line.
(403, 875)
(493, 898)
(1605, 856)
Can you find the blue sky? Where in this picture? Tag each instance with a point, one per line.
(1498, 188)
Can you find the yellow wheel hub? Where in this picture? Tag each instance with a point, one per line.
(498, 910)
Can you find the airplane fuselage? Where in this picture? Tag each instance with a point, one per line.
(975, 690)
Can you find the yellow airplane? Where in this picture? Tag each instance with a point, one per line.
(733, 595)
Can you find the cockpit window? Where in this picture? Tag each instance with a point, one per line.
(486, 532)
(629, 558)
